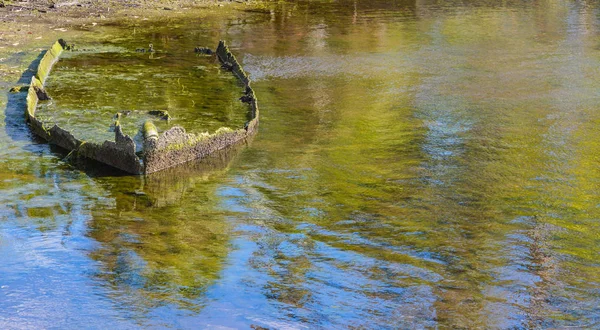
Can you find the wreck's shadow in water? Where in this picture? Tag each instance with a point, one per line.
(14, 119)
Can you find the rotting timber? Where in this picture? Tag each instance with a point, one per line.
(160, 151)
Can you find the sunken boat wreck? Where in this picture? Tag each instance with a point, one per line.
(160, 151)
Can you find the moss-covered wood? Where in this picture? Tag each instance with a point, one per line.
(160, 151)
(176, 146)
(49, 59)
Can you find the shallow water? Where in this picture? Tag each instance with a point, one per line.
(418, 164)
(91, 86)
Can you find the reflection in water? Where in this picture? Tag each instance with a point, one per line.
(162, 239)
(419, 164)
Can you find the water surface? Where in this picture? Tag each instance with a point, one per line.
(419, 164)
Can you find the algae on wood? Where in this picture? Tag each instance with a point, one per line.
(160, 151)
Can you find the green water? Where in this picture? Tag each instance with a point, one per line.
(419, 164)
(90, 87)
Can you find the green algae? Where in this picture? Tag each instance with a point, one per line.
(18, 89)
(158, 150)
(149, 130)
(196, 100)
(49, 60)
(189, 141)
